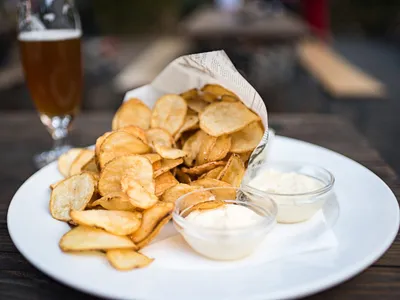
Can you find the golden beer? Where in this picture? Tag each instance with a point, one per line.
(52, 65)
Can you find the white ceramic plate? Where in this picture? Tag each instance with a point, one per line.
(366, 226)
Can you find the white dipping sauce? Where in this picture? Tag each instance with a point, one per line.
(229, 216)
(291, 209)
(225, 243)
(285, 182)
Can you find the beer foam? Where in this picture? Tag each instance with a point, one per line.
(49, 35)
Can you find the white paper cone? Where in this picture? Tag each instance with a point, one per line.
(196, 70)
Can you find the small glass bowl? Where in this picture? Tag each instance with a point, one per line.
(293, 207)
(226, 243)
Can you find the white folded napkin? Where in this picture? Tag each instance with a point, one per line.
(171, 250)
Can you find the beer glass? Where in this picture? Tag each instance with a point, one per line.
(49, 37)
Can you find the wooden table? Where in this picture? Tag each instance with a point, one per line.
(21, 134)
(210, 23)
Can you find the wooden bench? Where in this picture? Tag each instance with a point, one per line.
(339, 77)
(357, 91)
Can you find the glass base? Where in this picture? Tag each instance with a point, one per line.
(42, 159)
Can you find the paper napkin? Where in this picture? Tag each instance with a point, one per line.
(285, 240)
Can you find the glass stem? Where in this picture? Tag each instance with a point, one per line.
(58, 127)
(60, 137)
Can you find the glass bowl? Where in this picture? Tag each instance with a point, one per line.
(227, 243)
(292, 207)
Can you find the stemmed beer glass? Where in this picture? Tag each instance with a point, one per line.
(49, 36)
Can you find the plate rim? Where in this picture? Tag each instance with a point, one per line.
(315, 286)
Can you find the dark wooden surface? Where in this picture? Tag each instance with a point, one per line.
(21, 135)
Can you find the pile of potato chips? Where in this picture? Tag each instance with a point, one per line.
(119, 195)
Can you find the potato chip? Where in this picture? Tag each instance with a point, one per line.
(152, 157)
(221, 148)
(198, 170)
(197, 104)
(72, 223)
(213, 148)
(214, 92)
(224, 117)
(247, 139)
(169, 113)
(126, 259)
(209, 97)
(169, 153)
(164, 182)
(192, 147)
(97, 147)
(111, 175)
(245, 156)
(138, 214)
(113, 221)
(141, 173)
(213, 173)
(136, 131)
(233, 171)
(161, 142)
(82, 159)
(65, 160)
(172, 194)
(138, 194)
(154, 233)
(151, 217)
(156, 166)
(90, 166)
(225, 193)
(166, 165)
(132, 112)
(96, 176)
(206, 205)
(53, 185)
(191, 122)
(118, 144)
(73, 193)
(206, 146)
(83, 238)
(159, 136)
(189, 94)
(114, 201)
(138, 184)
(184, 137)
(195, 198)
(210, 183)
(229, 98)
(182, 176)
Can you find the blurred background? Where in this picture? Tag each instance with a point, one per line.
(314, 56)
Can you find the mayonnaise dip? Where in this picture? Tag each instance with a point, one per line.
(284, 188)
(221, 233)
(229, 216)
